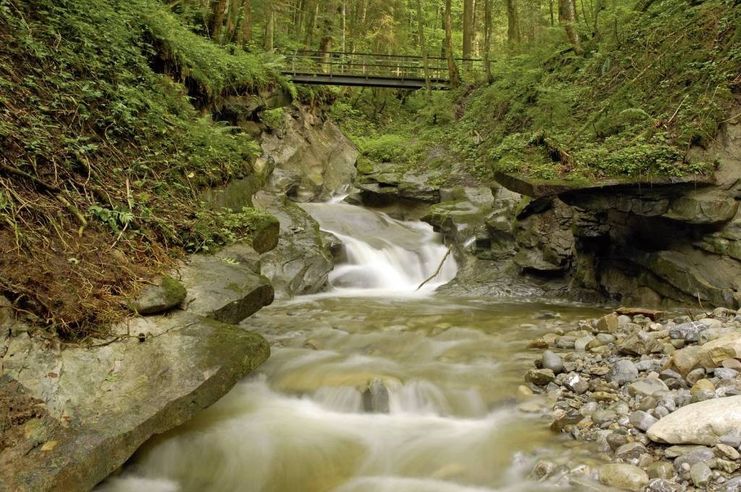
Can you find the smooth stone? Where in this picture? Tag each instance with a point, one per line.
(700, 474)
(699, 423)
(733, 485)
(677, 451)
(734, 364)
(623, 371)
(616, 439)
(647, 386)
(580, 345)
(725, 373)
(623, 476)
(604, 416)
(551, 360)
(695, 375)
(699, 455)
(732, 438)
(642, 420)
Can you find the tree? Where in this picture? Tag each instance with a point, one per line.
(513, 23)
(422, 44)
(567, 18)
(455, 77)
(468, 8)
(269, 26)
(244, 35)
(487, 40)
(217, 19)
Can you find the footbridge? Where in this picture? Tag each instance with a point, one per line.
(371, 69)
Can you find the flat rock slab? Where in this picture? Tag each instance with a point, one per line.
(91, 407)
(224, 289)
(699, 423)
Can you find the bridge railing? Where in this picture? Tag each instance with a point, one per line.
(401, 67)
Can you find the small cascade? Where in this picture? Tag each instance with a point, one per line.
(383, 255)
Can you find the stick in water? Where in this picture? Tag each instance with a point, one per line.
(437, 272)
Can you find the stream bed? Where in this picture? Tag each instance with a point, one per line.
(375, 385)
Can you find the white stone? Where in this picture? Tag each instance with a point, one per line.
(699, 423)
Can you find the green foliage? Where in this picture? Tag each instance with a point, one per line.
(216, 228)
(386, 148)
(273, 118)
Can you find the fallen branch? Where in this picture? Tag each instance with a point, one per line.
(437, 272)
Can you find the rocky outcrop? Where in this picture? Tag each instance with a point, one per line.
(704, 422)
(312, 159)
(668, 241)
(81, 411)
(301, 262)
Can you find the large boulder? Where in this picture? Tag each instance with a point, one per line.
(699, 423)
(81, 411)
(301, 262)
(223, 288)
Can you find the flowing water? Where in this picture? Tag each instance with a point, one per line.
(376, 385)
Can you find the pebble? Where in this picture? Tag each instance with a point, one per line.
(624, 371)
(700, 474)
(728, 451)
(631, 451)
(642, 420)
(647, 387)
(576, 383)
(662, 485)
(661, 469)
(725, 373)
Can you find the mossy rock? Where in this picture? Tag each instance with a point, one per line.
(168, 294)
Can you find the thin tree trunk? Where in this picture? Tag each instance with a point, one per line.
(269, 26)
(423, 44)
(487, 40)
(244, 35)
(567, 18)
(467, 28)
(455, 77)
(217, 19)
(513, 23)
(231, 21)
(553, 21)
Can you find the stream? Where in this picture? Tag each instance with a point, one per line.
(375, 385)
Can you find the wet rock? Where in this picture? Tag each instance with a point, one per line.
(376, 397)
(113, 397)
(642, 420)
(540, 377)
(616, 439)
(167, 294)
(552, 361)
(542, 470)
(699, 423)
(624, 371)
(622, 476)
(700, 473)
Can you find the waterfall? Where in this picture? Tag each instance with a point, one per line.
(383, 255)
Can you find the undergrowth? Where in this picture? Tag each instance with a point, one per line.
(651, 87)
(103, 154)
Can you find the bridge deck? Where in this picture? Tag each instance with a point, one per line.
(369, 70)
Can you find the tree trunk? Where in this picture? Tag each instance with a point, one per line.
(553, 21)
(217, 19)
(231, 21)
(513, 23)
(455, 77)
(269, 26)
(567, 18)
(487, 40)
(467, 28)
(244, 35)
(423, 44)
